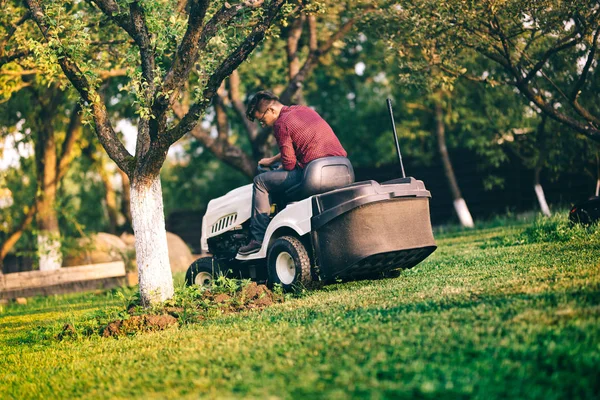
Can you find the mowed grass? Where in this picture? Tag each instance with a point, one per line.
(508, 311)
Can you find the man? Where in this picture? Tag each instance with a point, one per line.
(302, 136)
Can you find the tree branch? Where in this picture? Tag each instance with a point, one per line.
(587, 129)
(292, 46)
(469, 77)
(110, 42)
(220, 147)
(13, 28)
(112, 9)
(505, 48)
(313, 57)
(184, 59)
(222, 121)
(312, 33)
(532, 39)
(24, 72)
(72, 135)
(238, 106)
(560, 45)
(221, 18)
(16, 234)
(5, 59)
(225, 69)
(142, 39)
(586, 68)
(104, 130)
(195, 40)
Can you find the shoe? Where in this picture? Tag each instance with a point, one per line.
(250, 248)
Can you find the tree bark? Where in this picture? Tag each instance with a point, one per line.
(460, 206)
(543, 147)
(292, 54)
(110, 197)
(539, 192)
(156, 282)
(48, 235)
(597, 175)
(126, 201)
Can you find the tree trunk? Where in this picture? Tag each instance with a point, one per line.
(460, 206)
(292, 55)
(126, 201)
(110, 197)
(539, 192)
(156, 280)
(597, 176)
(14, 236)
(50, 257)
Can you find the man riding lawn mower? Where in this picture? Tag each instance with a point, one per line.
(325, 226)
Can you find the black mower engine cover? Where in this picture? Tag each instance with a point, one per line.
(586, 212)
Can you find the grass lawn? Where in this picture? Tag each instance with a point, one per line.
(496, 312)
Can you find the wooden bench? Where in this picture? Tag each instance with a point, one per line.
(64, 280)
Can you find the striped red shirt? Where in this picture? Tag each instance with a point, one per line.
(303, 136)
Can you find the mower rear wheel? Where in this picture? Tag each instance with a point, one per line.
(201, 272)
(288, 263)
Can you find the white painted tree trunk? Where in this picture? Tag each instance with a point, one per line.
(49, 251)
(460, 206)
(539, 192)
(152, 256)
(598, 188)
(463, 213)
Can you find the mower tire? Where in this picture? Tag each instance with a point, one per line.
(288, 263)
(202, 272)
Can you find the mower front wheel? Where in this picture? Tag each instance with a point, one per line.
(288, 263)
(202, 272)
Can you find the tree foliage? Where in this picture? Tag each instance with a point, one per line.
(546, 49)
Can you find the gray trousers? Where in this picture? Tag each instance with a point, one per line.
(265, 184)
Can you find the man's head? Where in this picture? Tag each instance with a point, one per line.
(264, 107)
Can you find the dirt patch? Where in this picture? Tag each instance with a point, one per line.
(190, 306)
(139, 323)
(253, 291)
(247, 297)
(68, 331)
(174, 311)
(259, 296)
(221, 298)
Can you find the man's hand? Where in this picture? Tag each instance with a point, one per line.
(268, 161)
(265, 162)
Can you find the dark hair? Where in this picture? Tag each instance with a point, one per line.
(257, 100)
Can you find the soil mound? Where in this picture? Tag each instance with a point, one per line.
(139, 323)
(191, 305)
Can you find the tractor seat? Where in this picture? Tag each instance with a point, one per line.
(320, 176)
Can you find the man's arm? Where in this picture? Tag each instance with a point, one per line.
(268, 161)
(286, 148)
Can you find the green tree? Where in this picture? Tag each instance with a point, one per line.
(54, 135)
(545, 49)
(210, 39)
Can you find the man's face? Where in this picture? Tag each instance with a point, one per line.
(265, 115)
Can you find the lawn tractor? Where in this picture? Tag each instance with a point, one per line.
(327, 227)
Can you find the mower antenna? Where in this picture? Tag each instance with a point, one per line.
(389, 103)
